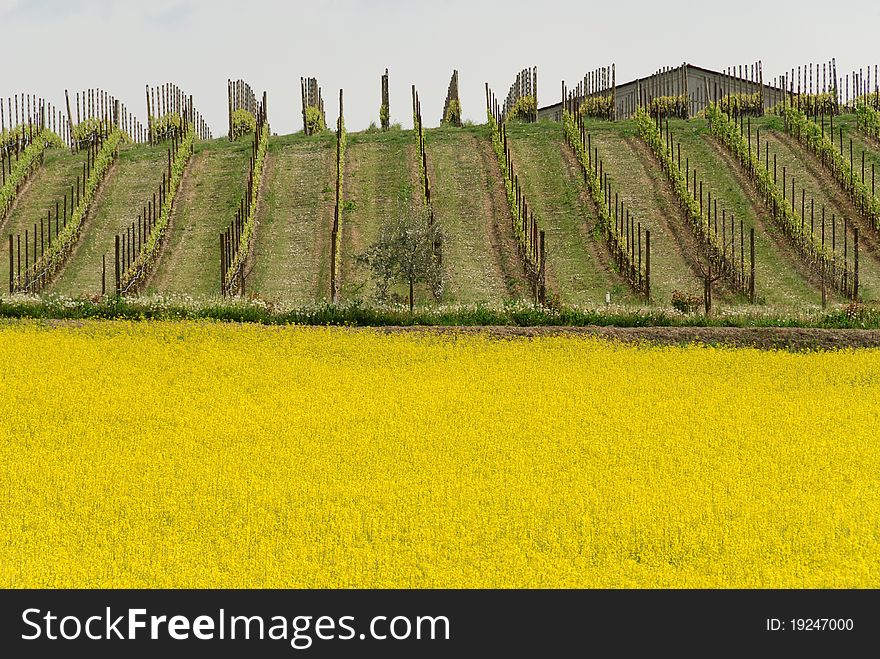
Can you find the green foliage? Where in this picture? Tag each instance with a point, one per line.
(359, 315)
(649, 132)
(600, 107)
(453, 113)
(248, 228)
(150, 249)
(730, 134)
(811, 135)
(166, 126)
(743, 104)
(405, 253)
(90, 129)
(811, 104)
(11, 137)
(525, 109)
(669, 106)
(686, 302)
(314, 120)
(53, 257)
(28, 160)
(243, 123)
(384, 116)
(869, 119)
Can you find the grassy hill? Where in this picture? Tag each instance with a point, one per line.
(810, 175)
(381, 177)
(212, 187)
(132, 180)
(579, 267)
(46, 187)
(290, 258)
(780, 275)
(643, 188)
(479, 254)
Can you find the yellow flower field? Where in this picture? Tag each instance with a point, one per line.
(213, 455)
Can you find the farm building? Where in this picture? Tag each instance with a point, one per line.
(698, 85)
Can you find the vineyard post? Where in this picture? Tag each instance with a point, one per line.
(103, 275)
(752, 265)
(11, 273)
(117, 265)
(542, 287)
(222, 266)
(648, 264)
(855, 264)
(69, 119)
(229, 105)
(149, 118)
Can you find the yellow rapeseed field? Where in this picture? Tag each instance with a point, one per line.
(214, 455)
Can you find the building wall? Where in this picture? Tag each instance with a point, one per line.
(700, 85)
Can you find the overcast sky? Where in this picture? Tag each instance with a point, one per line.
(50, 45)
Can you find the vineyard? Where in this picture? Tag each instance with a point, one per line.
(692, 191)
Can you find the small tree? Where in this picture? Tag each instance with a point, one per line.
(407, 252)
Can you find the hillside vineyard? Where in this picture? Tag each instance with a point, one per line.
(686, 189)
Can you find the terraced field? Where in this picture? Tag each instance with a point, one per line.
(290, 260)
(642, 186)
(794, 161)
(579, 266)
(46, 187)
(129, 184)
(212, 186)
(479, 253)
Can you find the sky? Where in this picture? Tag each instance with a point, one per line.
(120, 46)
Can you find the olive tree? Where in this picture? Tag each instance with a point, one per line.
(407, 252)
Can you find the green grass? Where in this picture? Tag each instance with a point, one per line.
(48, 185)
(780, 276)
(205, 205)
(381, 175)
(861, 142)
(291, 250)
(479, 254)
(579, 266)
(810, 175)
(132, 180)
(642, 186)
(513, 315)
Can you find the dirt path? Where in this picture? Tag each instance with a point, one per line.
(767, 338)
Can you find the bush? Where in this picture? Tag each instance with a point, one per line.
(243, 123)
(686, 302)
(315, 122)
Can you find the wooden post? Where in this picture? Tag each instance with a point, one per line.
(542, 286)
(648, 264)
(855, 264)
(117, 266)
(11, 272)
(222, 266)
(103, 275)
(752, 266)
